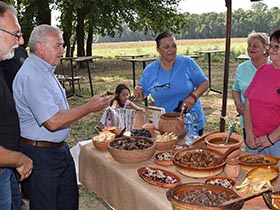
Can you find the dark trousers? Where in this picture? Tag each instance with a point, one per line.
(53, 183)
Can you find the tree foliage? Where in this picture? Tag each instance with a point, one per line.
(86, 21)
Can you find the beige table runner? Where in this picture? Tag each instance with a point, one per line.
(120, 186)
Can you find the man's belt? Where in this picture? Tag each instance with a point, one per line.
(40, 143)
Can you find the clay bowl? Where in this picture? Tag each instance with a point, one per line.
(174, 193)
(165, 145)
(248, 162)
(197, 172)
(179, 147)
(217, 141)
(220, 181)
(125, 155)
(100, 145)
(160, 160)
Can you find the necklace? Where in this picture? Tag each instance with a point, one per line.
(166, 85)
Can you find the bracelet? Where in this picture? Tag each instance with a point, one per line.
(267, 135)
(193, 96)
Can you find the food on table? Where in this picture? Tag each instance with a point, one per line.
(264, 173)
(253, 185)
(131, 143)
(115, 130)
(275, 200)
(225, 182)
(140, 132)
(164, 156)
(204, 197)
(166, 137)
(104, 137)
(197, 158)
(257, 160)
(159, 176)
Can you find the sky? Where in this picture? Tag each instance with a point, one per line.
(203, 6)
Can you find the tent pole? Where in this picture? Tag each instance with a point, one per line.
(226, 66)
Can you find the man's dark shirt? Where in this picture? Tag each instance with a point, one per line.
(9, 122)
(11, 66)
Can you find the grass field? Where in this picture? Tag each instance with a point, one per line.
(108, 72)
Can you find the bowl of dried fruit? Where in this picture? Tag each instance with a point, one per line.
(102, 139)
(248, 162)
(201, 196)
(220, 181)
(132, 149)
(164, 158)
(198, 163)
(166, 140)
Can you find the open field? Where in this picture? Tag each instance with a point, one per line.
(108, 72)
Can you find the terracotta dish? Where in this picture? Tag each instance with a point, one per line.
(220, 181)
(217, 141)
(102, 146)
(176, 194)
(197, 171)
(248, 162)
(165, 145)
(159, 177)
(164, 158)
(268, 173)
(132, 155)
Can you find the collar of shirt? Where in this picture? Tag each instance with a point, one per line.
(44, 64)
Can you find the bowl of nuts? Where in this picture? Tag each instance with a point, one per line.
(200, 196)
(221, 181)
(198, 163)
(166, 140)
(132, 149)
(164, 158)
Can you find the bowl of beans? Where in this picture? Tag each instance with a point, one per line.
(201, 196)
(198, 162)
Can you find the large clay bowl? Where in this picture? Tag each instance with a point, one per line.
(197, 172)
(248, 162)
(177, 204)
(216, 141)
(132, 156)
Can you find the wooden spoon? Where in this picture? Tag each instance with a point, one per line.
(221, 159)
(244, 197)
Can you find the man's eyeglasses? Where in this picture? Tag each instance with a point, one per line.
(274, 48)
(164, 86)
(17, 35)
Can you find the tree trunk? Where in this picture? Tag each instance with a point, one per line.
(80, 33)
(89, 42)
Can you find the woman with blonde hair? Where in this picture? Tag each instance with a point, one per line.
(257, 49)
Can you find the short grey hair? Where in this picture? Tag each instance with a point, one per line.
(39, 34)
(4, 7)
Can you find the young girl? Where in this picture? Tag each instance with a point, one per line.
(121, 99)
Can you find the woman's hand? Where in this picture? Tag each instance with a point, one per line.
(251, 141)
(262, 142)
(138, 93)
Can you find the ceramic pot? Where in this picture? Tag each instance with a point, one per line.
(216, 141)
(171, 122)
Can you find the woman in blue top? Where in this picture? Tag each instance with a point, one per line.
(173, 78)
(257, 49)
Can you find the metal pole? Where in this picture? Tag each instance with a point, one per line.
(226, 66)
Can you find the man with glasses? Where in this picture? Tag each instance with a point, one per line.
(11, 161)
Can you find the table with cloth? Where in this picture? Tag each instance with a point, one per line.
(120, 185)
